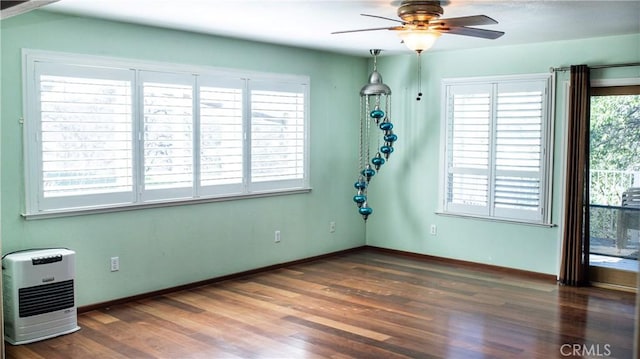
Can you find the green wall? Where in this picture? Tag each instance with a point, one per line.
(405, 195)
(166, 247)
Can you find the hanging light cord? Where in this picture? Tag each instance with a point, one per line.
(375, 63)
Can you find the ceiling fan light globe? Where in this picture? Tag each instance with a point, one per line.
(419, 40)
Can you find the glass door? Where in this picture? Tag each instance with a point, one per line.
(614, 185)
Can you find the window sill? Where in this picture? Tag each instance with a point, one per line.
(493, 219)
(133, 207)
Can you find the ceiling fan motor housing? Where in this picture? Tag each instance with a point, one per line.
(412, 11)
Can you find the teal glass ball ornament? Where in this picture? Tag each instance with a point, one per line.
(386, 126)
(386, 149)
(360, 185)
(391, 137)
(368, 173)
(365, 211)
(377, 161)
(377, 113)
(359, 198)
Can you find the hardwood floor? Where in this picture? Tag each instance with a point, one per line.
(365, 304)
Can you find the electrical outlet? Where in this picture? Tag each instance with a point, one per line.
(332, 227)
(434, 230)
(115, 264)
(277, 237)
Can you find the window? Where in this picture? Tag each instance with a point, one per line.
(167, 135)
(277, 141)
(221, 136)
(105, 133)
(496, 148)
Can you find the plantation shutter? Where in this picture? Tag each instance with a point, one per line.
(469, 151)
(168, 132)
(221, 136)
(495, 150)
(106, 133)
(519, 150)
(277, 135)
(84, 144)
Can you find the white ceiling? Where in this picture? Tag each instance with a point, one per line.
(308, 23)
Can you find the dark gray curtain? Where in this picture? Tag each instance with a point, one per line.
(574, 268)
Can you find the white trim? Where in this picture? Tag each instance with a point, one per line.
(442, 180)
(68, 58)
(28, 103)
(195, 156)
(172, 203)
(501, 78)
(615, 82)
(496, 219)
(550, 147)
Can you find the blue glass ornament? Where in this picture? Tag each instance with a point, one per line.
(386, 149)
(377, 161)
(386, 126)
(365, 211)
(361, 184)
(377, 113)
(359, 199)
(368, 172)
(391, 137)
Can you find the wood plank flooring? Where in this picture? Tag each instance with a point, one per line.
(365, 304)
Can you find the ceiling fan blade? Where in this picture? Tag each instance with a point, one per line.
(385, 18)
(361, 30)
(464, 21)
(471, 31)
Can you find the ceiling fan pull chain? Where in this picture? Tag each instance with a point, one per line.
(419, 77)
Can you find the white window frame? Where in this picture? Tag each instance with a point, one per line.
(36, 206)
(163, 194)
(273, 185)
(33, 145)
(542, 216)
(221, 80)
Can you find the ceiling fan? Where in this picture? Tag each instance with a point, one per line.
(421, 25)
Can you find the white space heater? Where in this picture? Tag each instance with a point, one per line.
(39, 295)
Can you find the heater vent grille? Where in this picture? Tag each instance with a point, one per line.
(45, 298)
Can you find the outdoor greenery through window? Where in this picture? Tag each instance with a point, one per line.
(496, 147)
(615, 144)
(105, 133)
(615, 174)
